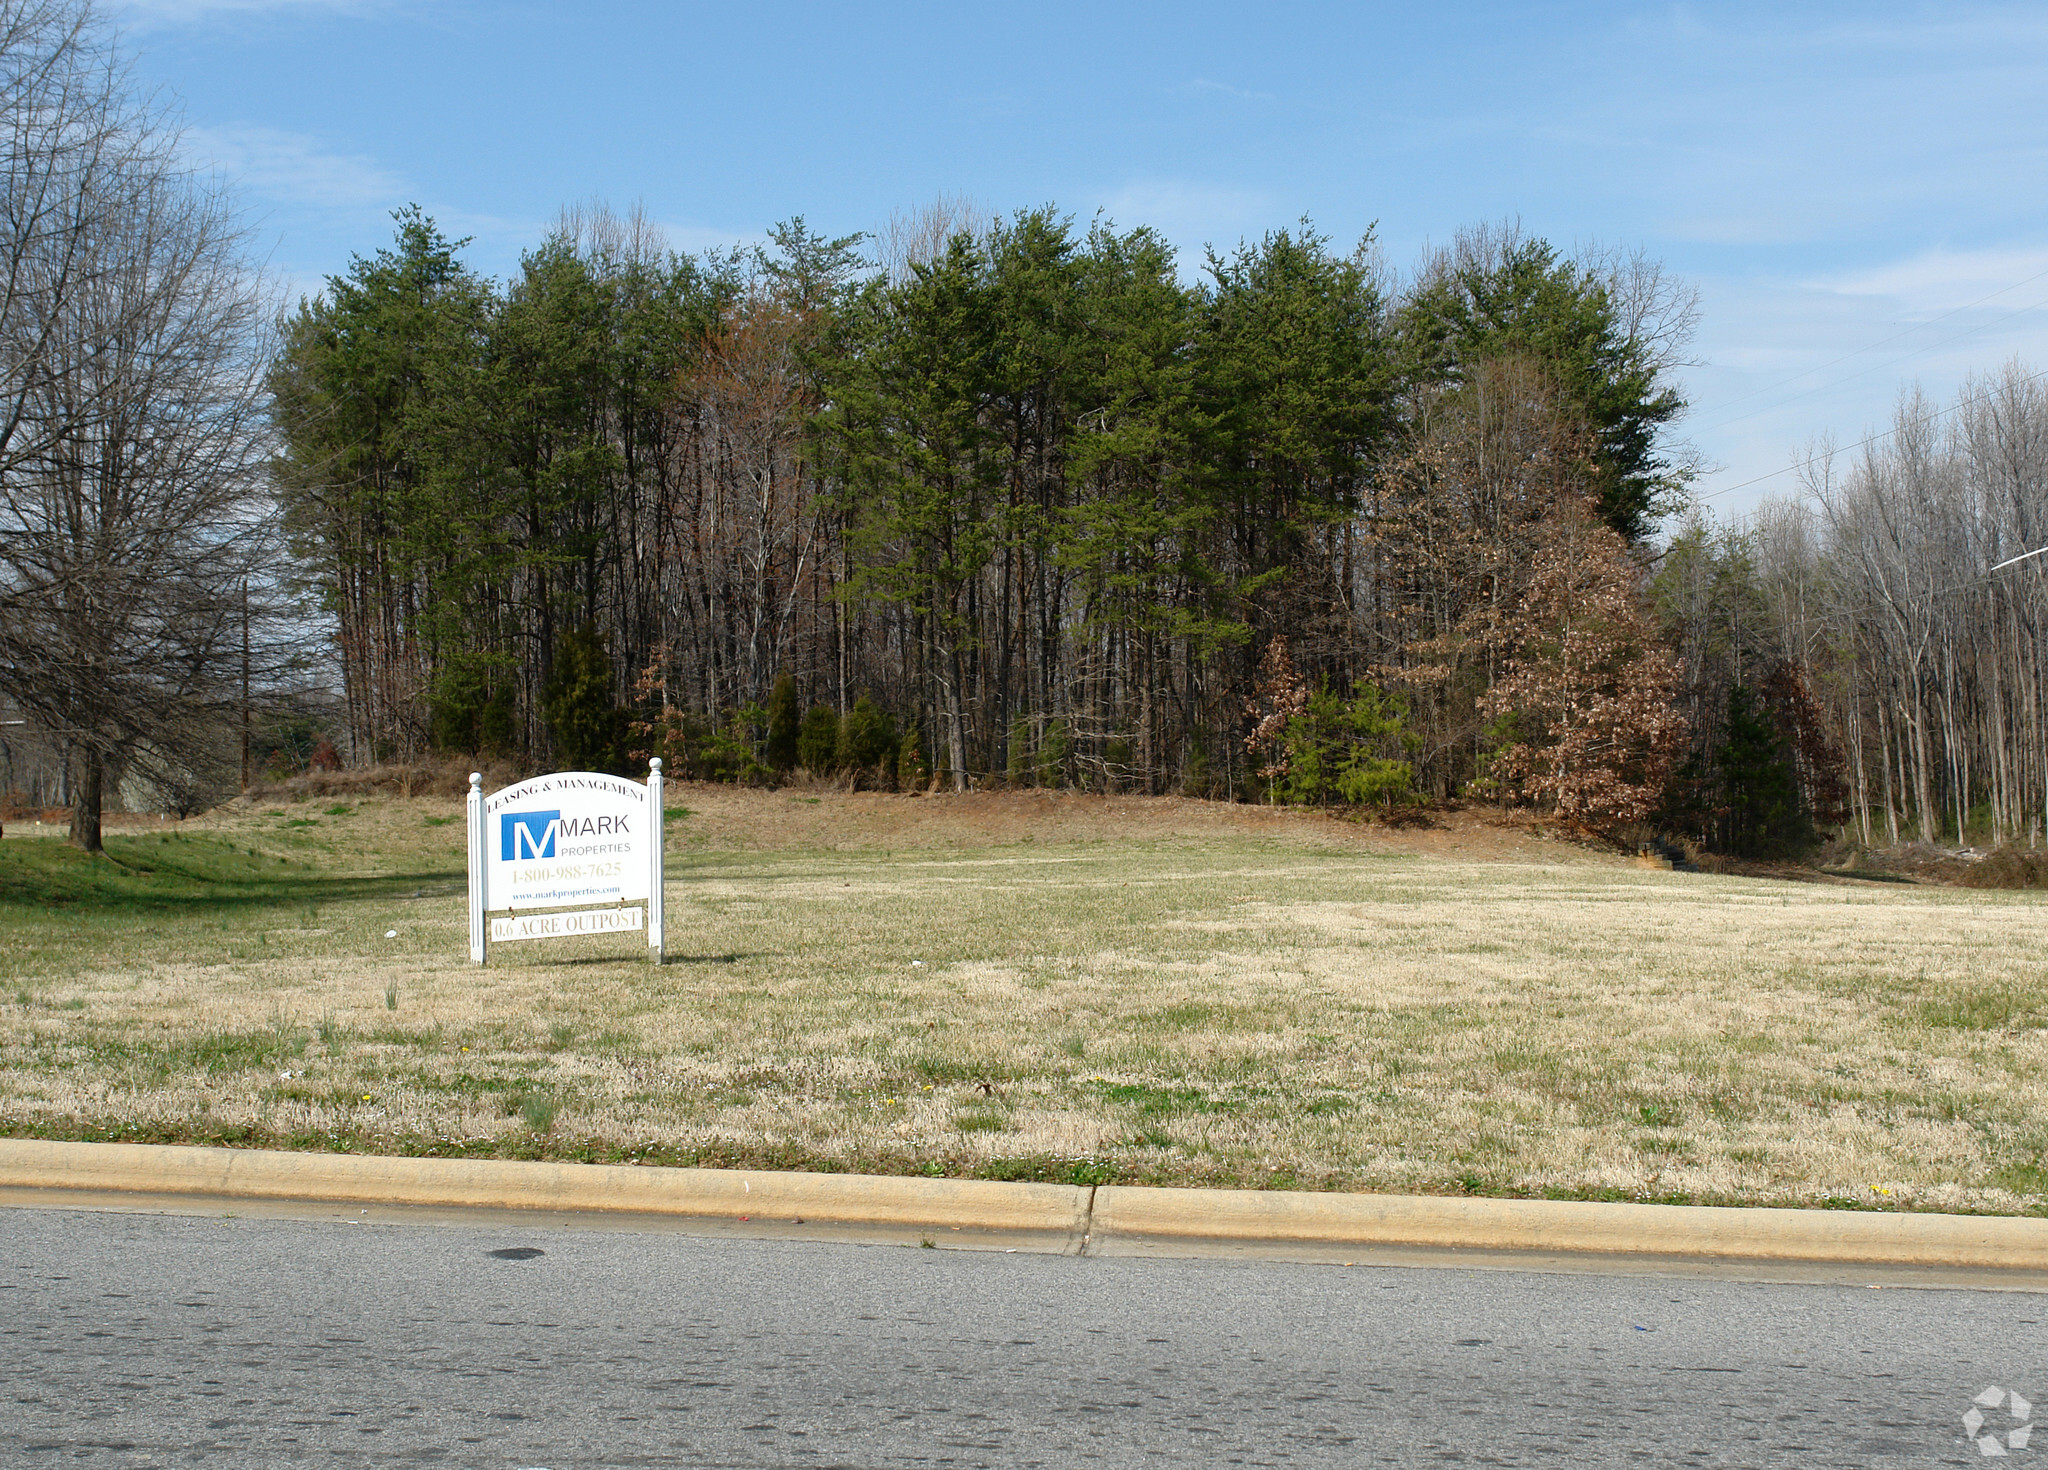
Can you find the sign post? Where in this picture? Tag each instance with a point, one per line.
(540, 847)
(659, 820)
(479, 904)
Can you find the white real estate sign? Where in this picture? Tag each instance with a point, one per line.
(574, 837)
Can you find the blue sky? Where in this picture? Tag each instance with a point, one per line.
(1860, 193)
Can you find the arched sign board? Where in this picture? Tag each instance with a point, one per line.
(543, 852)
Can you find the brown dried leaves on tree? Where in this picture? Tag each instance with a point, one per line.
(1282, 694)
(1588, 687)
(1522, 610)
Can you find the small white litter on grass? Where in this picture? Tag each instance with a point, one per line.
(390, 933)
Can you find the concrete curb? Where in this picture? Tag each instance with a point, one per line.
(722, 1194)
(1126, 1216)
(1111, 1220)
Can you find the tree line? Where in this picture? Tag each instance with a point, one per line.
(1012, 500)
(1891, 622)
(1058, 515)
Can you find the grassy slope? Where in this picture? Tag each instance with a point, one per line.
(1167, 993)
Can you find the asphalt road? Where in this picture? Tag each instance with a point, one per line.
(135, 1339)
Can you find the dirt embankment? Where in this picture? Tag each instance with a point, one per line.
(822, 817)
(826, 815)
(2010, 866)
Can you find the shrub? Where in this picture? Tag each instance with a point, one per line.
(867, 737)
(1743, 796)
(2009, 867)
(1368, 780)
(695, 748)
(817, 741)
(1765, 813)
(785, 720)
(1116, 763)
(1196, 779)
(470, 709)
(912, 772)
(1017, 771)
(1338, 752)
(1052, 754)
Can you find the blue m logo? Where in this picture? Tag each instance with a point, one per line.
(524, 836)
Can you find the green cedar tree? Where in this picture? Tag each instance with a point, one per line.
(785, 718)
(867, 736)
(1759, 810)
(584, 719)
(1017, 769)
(817, 741)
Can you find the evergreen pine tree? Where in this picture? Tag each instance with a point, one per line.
(817, 741)
(1760, 809)
(588, 727)
(867, 736)
(1018, 770)
(784, 721)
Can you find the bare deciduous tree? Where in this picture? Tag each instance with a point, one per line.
(1892, 590)
(915, 237)
(132, 513)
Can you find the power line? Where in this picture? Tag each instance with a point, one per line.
(1880, 342)
(1960, 403)
(1878, 367)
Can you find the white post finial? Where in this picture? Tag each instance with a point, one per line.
(476, 780)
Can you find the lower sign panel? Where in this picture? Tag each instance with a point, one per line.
(563, 926)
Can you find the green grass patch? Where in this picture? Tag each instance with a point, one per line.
(934, 1068)
(188, 874)
(201, 896)
(1148, 1101)
(1986, 1008)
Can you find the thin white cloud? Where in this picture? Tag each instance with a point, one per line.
(1224, 89)
(1945, 280)
(152, 14)
(1735, 127)
(1979, 32)
(1189, 214)
(272, 164)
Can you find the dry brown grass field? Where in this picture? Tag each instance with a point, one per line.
(1045, 986)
